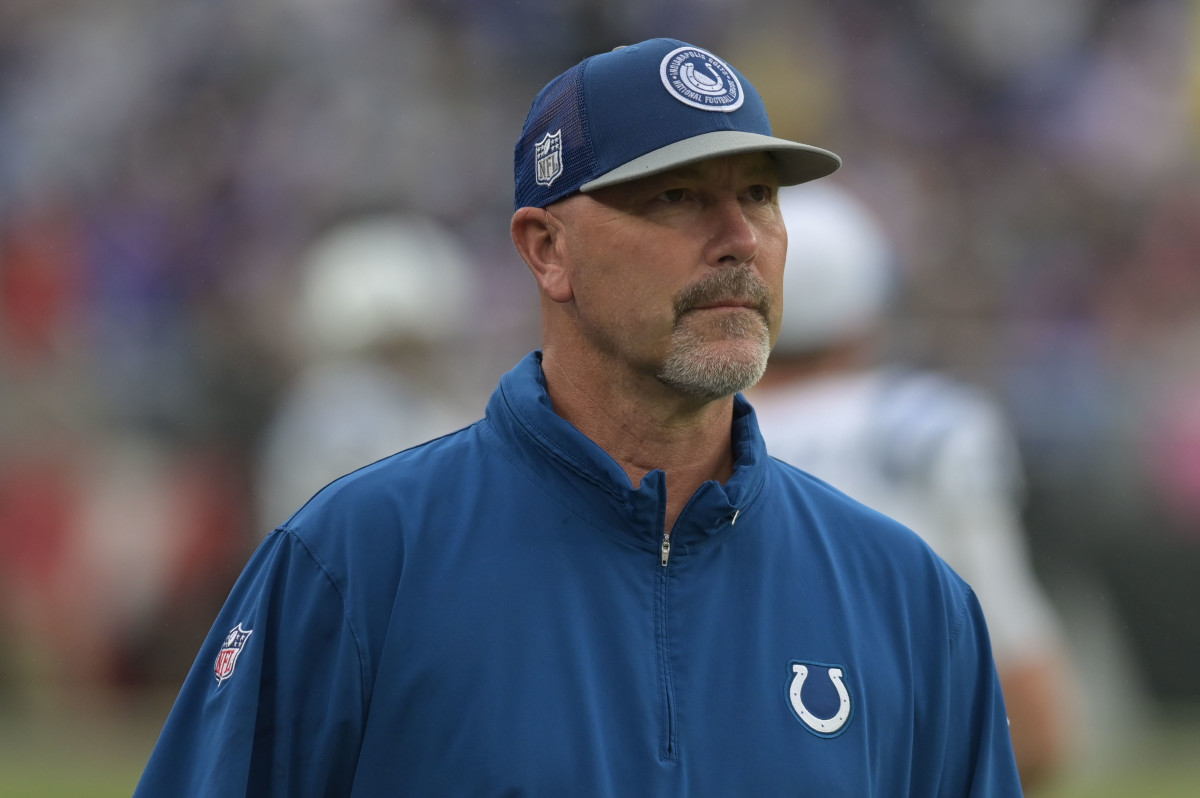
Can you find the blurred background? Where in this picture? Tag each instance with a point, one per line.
(171, 170)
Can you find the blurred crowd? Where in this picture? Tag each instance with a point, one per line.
(167, 167)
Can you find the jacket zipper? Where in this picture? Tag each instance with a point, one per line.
(669, 752)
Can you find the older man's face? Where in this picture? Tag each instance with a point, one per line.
(679, 275)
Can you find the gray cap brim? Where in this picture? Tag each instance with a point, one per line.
(798, 163)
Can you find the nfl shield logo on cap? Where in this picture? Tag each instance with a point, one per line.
(235, 641)
(549, 158)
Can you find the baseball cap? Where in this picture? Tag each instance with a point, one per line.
(644, 109)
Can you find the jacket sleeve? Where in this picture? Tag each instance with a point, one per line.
(979, 760)
(274, 703)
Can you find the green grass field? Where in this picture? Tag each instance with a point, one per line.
(1159, 780)
(89, 757)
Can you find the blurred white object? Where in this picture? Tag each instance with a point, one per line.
(386, 277)
(839, 273)
(382, 302)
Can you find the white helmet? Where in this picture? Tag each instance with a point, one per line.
(382, 277)
(839, 271)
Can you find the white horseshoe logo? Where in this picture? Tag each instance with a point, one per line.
(701, 84)
(822, 726)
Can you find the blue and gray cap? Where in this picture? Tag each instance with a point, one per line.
(645, 109)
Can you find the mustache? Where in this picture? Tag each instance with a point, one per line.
(738, 284)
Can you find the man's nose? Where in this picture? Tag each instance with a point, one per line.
(734, 236)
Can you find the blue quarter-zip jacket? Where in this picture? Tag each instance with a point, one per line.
(493, 613)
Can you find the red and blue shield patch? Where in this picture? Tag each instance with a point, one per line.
(235, 641)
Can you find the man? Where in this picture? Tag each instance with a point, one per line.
(606, 587)
(927, 450)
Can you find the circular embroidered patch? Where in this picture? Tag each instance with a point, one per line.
(698, 78)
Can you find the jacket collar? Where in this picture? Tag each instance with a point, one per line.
(589, 482)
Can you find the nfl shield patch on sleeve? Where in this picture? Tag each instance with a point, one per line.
(235, 641)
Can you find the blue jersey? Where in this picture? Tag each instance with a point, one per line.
(498, 612)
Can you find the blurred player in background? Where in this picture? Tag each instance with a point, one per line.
(379, 303)
(927, 450)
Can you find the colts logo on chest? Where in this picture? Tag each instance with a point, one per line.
(819, 697)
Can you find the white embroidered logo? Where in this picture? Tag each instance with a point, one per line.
(548, 156)
(831, 724)
(698, 78)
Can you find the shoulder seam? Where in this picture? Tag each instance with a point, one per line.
(964, 610)
(358, 642)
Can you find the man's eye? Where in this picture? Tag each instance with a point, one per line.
(673, 195)
(759, 193)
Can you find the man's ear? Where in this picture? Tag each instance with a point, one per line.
(538, 237)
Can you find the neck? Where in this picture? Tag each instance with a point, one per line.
(645, 427)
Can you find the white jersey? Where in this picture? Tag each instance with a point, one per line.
(337, 418)
(935, 455)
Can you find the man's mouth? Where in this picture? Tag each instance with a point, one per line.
(718, 304)
(727, 290)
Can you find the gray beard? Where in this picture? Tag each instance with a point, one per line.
(691, 366)
(695, 371)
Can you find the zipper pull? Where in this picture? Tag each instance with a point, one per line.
(666, 548)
